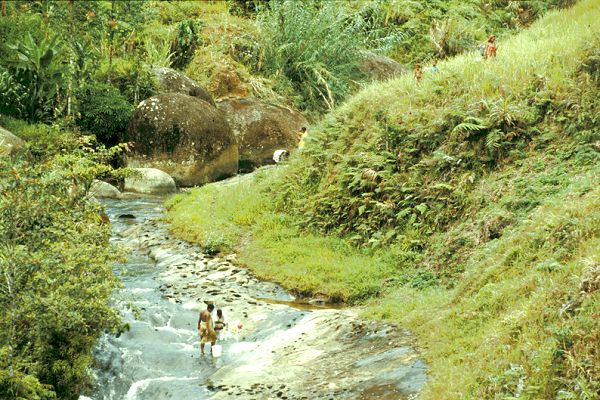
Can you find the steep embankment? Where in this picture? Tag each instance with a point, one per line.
(468, 202)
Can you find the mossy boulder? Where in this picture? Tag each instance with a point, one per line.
(10, 144)
(171, 81)
(380, 68)
(262, 128)
(183, 136)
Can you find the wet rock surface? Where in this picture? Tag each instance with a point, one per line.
(282, 352)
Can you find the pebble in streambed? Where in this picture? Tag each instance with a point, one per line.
(281, 353)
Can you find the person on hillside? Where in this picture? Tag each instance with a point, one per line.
(434, 68)
(206, 328)
(490, 47)
(220, 324)
(418, 72)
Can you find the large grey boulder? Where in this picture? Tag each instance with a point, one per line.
(378, 68)
(10, 144)
(172, 81)
(184, 136)
(101, 189)
(262, 128)
(150, 181)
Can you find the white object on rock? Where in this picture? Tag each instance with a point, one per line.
(280, 156)
(150, 181)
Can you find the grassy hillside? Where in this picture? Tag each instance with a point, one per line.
(465, 207)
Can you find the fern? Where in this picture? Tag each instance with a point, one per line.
(468, 126)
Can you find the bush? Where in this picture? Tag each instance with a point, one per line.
(186, 41)
(12, 95)
(133, 79)
(104, 112)
(57, 279)
(313, 46)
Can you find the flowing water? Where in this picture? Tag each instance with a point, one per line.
(286, 349)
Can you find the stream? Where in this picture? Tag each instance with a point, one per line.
(285, 350)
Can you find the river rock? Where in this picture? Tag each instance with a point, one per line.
(10, 144)
(100, 189)
(171, 81)
(379, 68)
(150, 181)
(184, 136)
(262, 128)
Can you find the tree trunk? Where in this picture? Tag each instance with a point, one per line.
(110, 40)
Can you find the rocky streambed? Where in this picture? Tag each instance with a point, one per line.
(283, 351)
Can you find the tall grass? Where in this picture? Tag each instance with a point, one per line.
(430, 141)
(313, 47)
(521, 322)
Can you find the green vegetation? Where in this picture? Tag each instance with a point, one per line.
(470, 200)
(56, 268)
(271, 245)
(104, 112)
(445, 28)
(463, 206)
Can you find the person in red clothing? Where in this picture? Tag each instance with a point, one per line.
(490, 47)
(418, 72)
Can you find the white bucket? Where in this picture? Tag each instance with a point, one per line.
(217, 350)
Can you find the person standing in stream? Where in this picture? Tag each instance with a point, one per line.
(206, 328)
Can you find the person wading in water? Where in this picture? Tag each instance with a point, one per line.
(206, 328)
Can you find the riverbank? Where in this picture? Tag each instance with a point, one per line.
(281, 352)
(270, 244)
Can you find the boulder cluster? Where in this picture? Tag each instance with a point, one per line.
(182, 131)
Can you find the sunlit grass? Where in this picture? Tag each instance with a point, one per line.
(505, 312)
(239, 218)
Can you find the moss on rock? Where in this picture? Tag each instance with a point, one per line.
(184, 136)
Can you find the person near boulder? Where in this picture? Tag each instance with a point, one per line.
(490, 47)
(206, 328)
(280, 156)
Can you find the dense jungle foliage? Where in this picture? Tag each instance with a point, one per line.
(463, 206)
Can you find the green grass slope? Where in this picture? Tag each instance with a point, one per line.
(465, 207)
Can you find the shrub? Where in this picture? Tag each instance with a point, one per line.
(313, 46)
(104, 112)
(56, 268)
(36, 67)
(186, 41)
(133, 79)
(12, 95)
